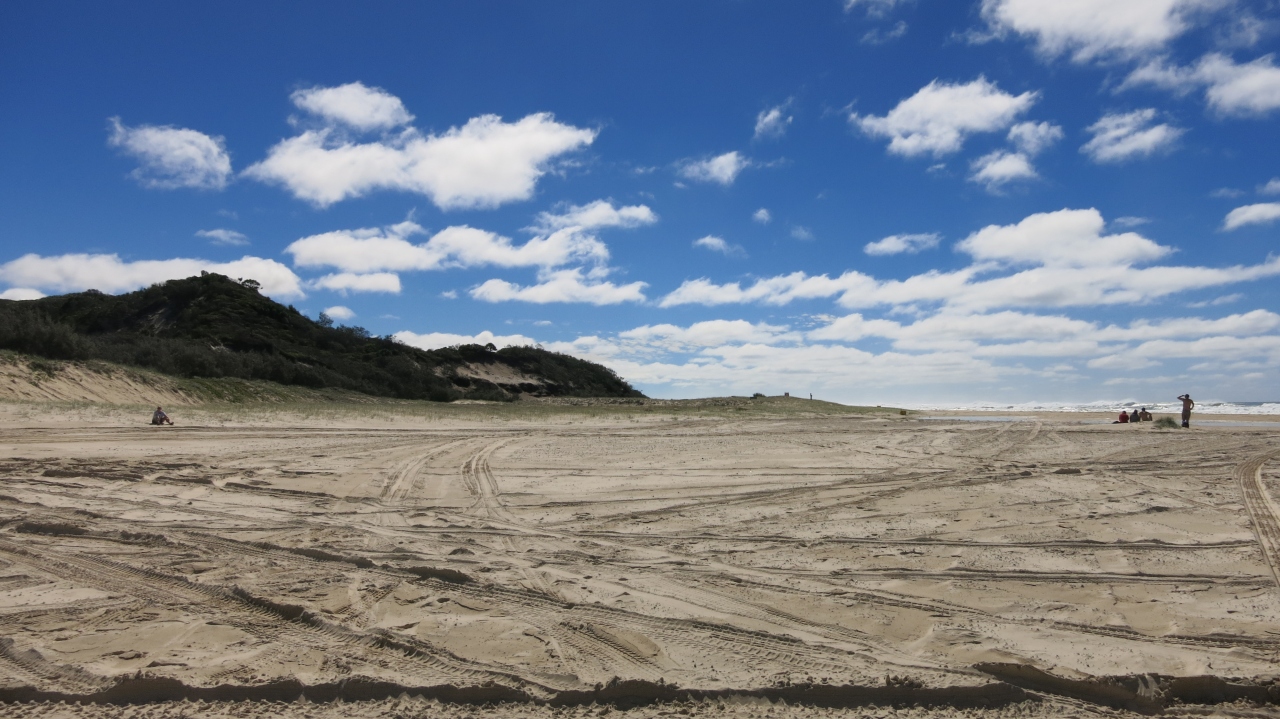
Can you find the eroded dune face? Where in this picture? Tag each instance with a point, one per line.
(552, 561)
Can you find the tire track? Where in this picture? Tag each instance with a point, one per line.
(1263, 511)
(257, 618)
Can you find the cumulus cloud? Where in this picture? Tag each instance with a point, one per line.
(1033, 138)
(1055, 259)
(721, 169)
(773, 122)
(436, 340)
(941, 116)
(718, 244)
(762, 216)
(389, 249)
(354, 105)
(600, 213)
(1066, 238)
(1259, 214)
(710, 333)
(1095, 29)
(229, 238)
(999, 168)
(173, 157)
(1123, 136)
(109, 273)
(340, 313)
(736, 356)
(21, 293)
(483, 164)
(569, 285)
(344, 282)
(899, 244)
(1271, 188)
(1230, 88)
(800, 232)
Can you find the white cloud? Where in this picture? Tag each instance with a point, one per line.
(172, 157)
(344, 282)
(21, 293)
(1271, 188)
(1230, 89)
(711, 333)
(898, 244)
(483, 164)
(1123, 136)
(1223, 300)
(876, 36)
(718, 244)
(108, 273)
(722, 169)
(1032, 138)
(229, 238)
(389, 249)
(340, 313)
(1130, 221)
(940, 116)
(999, 168)
(1259, 214)
(1071, 264)
(762, 216)
(1124, 361)
(773, 122)
(561, 286)
(1066, 238)
(600, 213)
(800, 232)
(355, 105)
(1095, 29)
(436, 340)
(875, 8)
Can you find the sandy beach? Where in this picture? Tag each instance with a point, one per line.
(715, 560)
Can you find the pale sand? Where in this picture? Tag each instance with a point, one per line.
(535, 553)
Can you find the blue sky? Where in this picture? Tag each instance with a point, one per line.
(877, 201)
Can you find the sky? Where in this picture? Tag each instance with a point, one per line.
(873, 201)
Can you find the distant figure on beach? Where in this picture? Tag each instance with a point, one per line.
(1124, 418)
(159, 417)
(1187, 405)
(1133, 417)
(1144, 415)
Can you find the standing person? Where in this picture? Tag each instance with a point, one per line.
(1187, 405)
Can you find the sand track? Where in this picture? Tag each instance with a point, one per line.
(715, 554)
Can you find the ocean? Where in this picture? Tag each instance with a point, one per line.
(1205, 407)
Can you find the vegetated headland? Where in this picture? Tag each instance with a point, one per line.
(213, 327)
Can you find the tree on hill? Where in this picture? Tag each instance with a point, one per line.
(213, 326)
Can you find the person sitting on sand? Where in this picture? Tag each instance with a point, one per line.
(1124, 418)
(160, 417)
(1133, 417)
(1187, 405)
(1144, 415)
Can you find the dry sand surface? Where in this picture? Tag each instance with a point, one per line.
(727, 561)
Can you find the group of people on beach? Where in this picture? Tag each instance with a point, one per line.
(1143, 415)
(1135, 416)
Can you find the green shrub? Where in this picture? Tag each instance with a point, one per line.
(1166, 423)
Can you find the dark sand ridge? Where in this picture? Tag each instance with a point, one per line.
(570, 558)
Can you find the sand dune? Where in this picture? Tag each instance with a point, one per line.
(736, 560)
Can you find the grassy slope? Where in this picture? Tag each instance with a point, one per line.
(213, 327)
